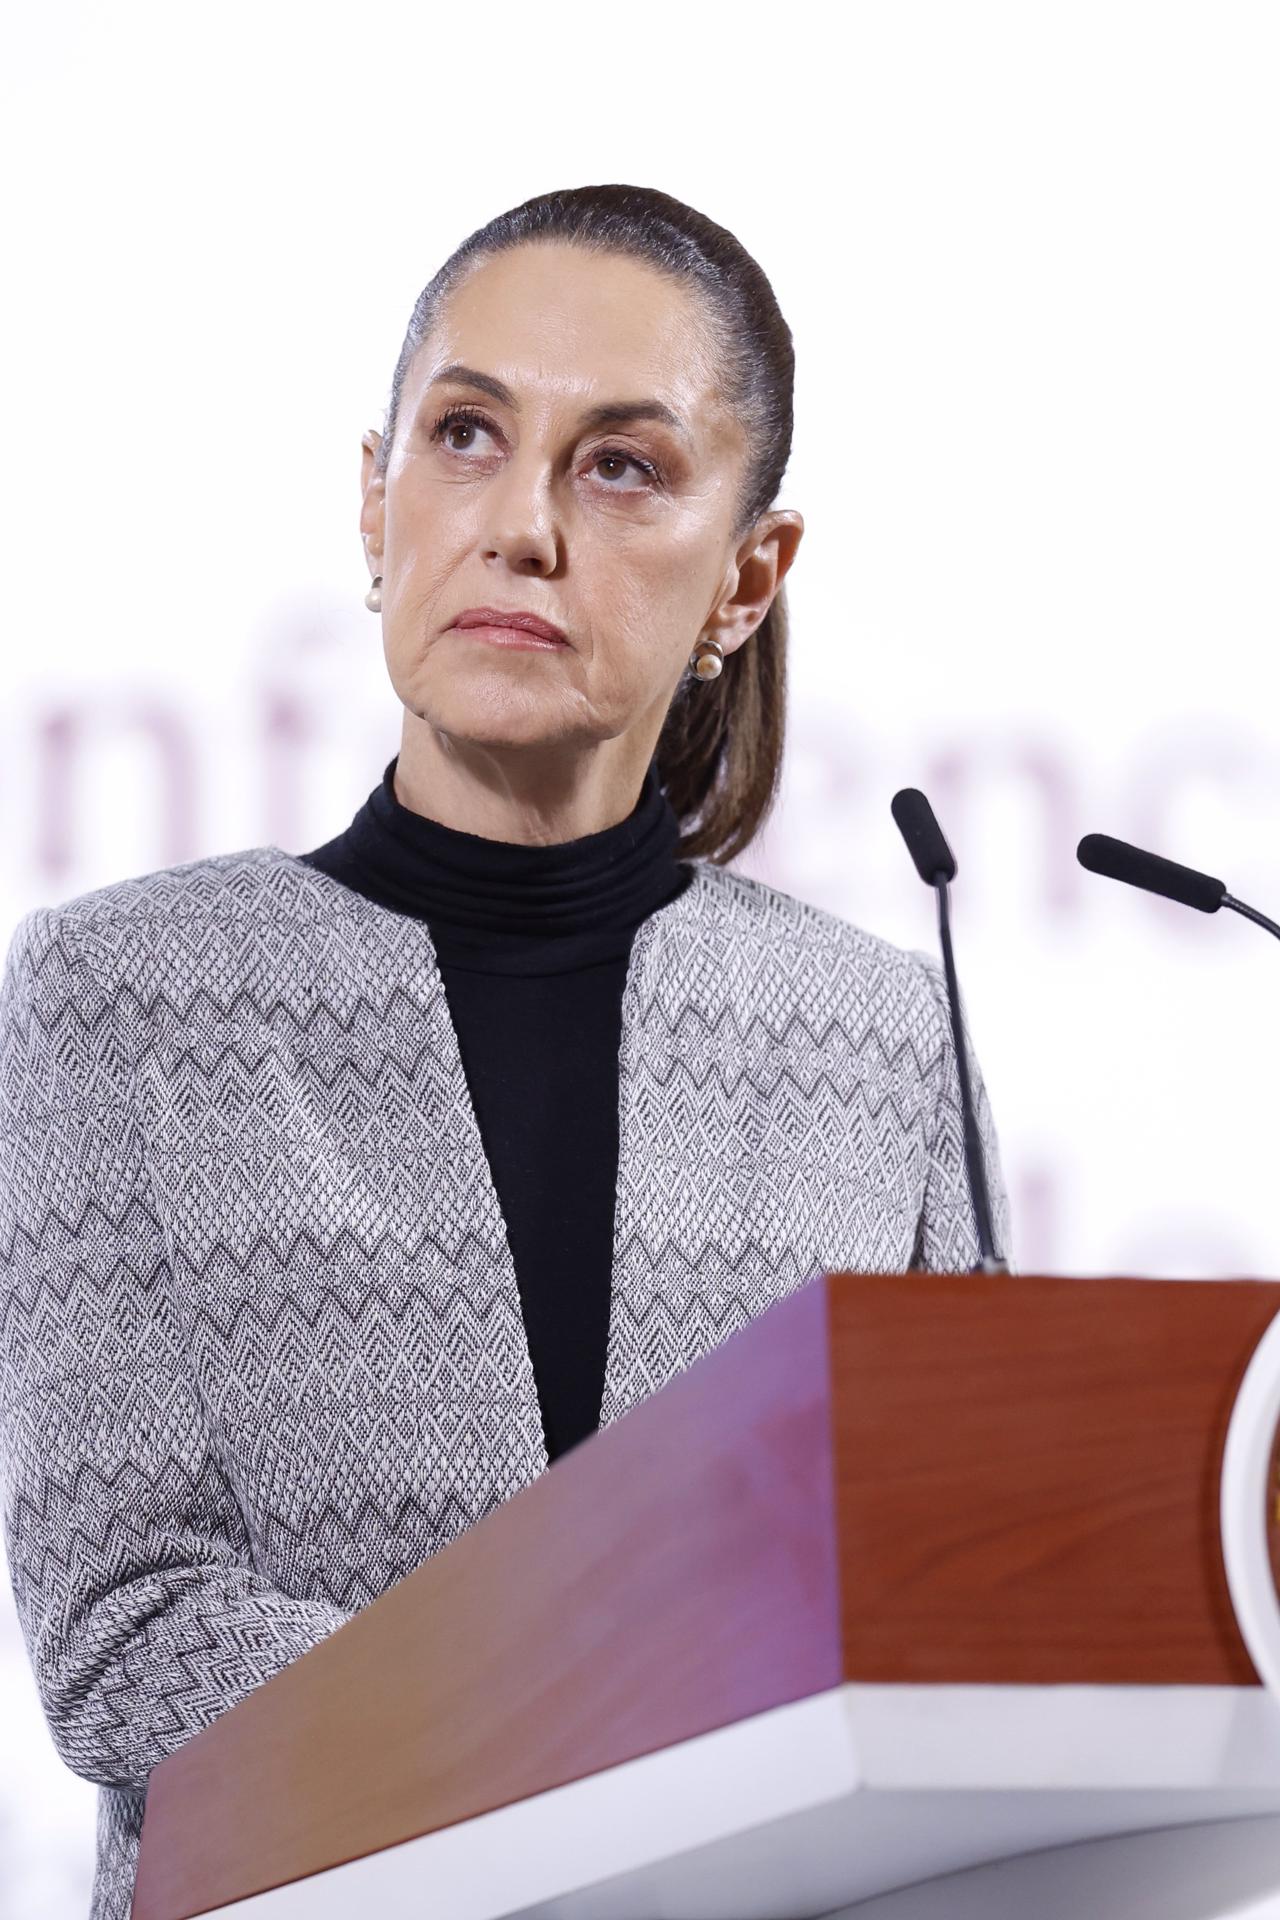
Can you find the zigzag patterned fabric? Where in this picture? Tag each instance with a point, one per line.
(261, 1348)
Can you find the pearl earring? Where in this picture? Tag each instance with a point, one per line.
(707, 659)
(373, 599)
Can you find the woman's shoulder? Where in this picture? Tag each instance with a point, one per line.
(838, 963)
(104, 926)
(774, 918)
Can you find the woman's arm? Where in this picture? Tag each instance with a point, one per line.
(947, 1238)
(129, 1557)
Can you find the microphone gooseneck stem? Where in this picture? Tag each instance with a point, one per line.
(990, 1261)
(1251, 913)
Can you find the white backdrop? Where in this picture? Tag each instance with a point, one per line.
(1028, 254)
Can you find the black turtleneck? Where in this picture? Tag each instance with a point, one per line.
(533, 944)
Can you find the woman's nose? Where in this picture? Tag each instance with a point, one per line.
(521, 519)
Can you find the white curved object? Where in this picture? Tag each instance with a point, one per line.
(1245, 1493)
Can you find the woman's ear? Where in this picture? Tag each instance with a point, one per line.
(373, 502)
(763, 561)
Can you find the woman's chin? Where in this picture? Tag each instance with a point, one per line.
(485, 701)
(497, 724)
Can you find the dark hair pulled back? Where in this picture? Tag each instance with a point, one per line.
(719, 754)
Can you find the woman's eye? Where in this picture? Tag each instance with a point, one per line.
(455, 418)
(619, 458)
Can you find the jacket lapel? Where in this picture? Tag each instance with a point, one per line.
(463, 1222)
(750, 1155)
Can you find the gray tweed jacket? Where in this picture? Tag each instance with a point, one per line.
(261, 1348)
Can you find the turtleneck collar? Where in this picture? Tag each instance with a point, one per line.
(499, 906)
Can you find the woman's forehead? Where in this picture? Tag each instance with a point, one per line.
(557, 326)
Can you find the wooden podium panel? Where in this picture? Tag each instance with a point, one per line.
(912, 1481)
(1028, 1476)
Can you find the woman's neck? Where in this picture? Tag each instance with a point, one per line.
(505, 906)
(535, 797)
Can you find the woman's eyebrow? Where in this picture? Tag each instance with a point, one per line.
(613, 413)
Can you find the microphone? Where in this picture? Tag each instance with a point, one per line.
(1117, 860)
(935, 863)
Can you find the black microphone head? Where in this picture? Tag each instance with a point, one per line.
(935, 862)
(1117, 860)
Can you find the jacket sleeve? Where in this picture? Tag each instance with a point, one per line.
(947, 1237)
(129, 1557)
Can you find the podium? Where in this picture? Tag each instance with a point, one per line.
(909, 1600)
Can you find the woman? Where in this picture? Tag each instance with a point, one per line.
(344, 1191)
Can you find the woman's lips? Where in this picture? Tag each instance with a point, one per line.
(511, 637)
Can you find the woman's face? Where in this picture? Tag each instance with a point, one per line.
(501, 492)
